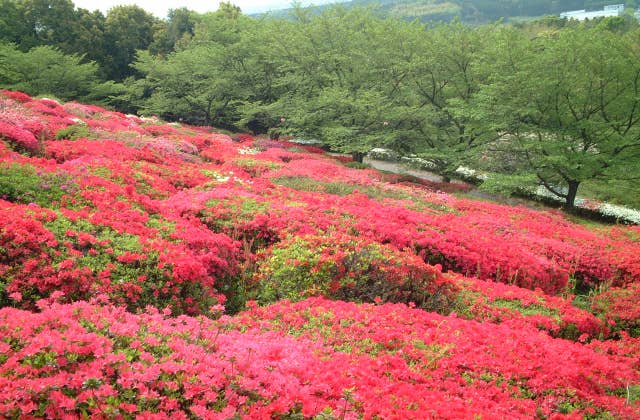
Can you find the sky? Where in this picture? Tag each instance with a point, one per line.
(160, 7)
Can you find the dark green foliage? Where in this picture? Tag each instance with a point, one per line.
(175, 31)
(127, 29)
(73, 132)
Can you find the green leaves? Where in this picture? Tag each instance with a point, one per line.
(23, 184)
(46, 70)
(566, 105)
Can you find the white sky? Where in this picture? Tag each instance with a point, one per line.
(160, 7)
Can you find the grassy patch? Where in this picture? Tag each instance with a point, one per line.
(625, 193)
(526, 310)
(24, 184)
(340, 188)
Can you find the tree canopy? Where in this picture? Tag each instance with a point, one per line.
(566, 105)
(552, 101)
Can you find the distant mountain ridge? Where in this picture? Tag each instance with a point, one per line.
(469, 11)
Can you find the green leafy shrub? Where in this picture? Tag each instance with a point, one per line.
(73, 132)
(345, 268)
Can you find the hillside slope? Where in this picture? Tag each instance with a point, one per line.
(469, 11)
(161, 270)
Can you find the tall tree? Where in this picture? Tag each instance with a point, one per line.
(176, 30)
(344, 74)
(568, 105)
(89, 36)
(46, 70)
(127, 29)
(204, 82)
(47, 22)
(445, 77)
(12, 27)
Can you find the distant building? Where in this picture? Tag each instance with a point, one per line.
(608, 11)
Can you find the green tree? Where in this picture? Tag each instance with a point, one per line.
(177, 30)
(89, 36)
(46, 70)
(567, 105)
(127, 29)
(46, 22)
(8, 75)
(342, 74)
(12, 27)
(445, 77)
(56, 23)
(206, 80)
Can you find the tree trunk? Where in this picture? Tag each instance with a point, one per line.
(570, 201)
(357, 156)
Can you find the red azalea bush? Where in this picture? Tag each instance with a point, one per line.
(409, 363)
(79, 360)
(311, 358)
(21, 138)
(502, 303)
(134, 266)
(25, 249)
(620, 307)
(15, 95)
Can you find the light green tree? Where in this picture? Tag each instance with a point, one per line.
(46, 70)
(206, 80)
(567, 104)
(341, 79)
(446, 75)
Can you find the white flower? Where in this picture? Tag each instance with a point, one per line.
(248, 151)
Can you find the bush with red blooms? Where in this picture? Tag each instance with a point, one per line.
(190, 222)
(312, 358)
(502, 303)
(620, 307)
(409, 363)
(81, 254)
(71, 361)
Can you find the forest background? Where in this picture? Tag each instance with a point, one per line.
(533, 102)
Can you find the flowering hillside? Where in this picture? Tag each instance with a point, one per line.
(158, 270)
